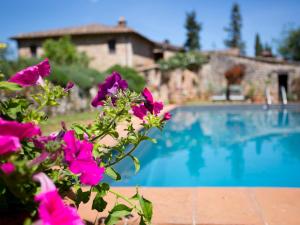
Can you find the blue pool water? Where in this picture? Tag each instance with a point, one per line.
(220, 146)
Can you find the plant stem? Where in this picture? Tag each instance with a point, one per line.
(108, 126)
(128, 153)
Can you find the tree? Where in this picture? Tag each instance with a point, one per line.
(234, 39)
(64, 52)
(193, 28)
(258, 46)
(289, 47)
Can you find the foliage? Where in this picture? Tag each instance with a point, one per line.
(258, 46)
(183, 60)
(63, 52)
(193, 28)
(235, 74)
(34, 155)
(234, 39)
(135, 80)
(84, 77)
(289, 47)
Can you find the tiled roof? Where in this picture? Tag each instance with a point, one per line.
(91, 29)
(79, 30)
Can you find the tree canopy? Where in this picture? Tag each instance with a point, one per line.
(289, 47)
(234, 39)
(193, 28)
(258, 46)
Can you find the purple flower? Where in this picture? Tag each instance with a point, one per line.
(32, 75)
(7, 168)
(110, 87)
(167, 116)
(9, 144)
(78, 154)
(152, 106)
(52, 210)
(69, 86)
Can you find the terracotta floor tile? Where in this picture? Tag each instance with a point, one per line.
(279, 206)
(226, 206)
(171, 205)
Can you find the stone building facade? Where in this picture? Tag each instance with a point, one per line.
(104, 45)
(260, 74)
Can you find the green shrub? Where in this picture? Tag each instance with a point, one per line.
(64, 52)
(183, 60)
(135, 80)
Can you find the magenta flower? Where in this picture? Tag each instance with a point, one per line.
(167, 116)
(19, 130)
(12, 132)
(9, 144)
(149, 105)
(7, 168)
(52, 210)
(139, 111)
(32, 75)
(110, 87)
(78, 154)
(152, 106)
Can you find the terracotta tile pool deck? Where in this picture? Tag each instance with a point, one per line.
(214, 206)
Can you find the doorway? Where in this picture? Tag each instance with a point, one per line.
(282, 83)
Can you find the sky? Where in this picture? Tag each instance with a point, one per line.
(156, 19)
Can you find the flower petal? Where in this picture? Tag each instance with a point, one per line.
(7, 168)
(9, 144)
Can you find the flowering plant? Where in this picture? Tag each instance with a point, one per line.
(39, 171)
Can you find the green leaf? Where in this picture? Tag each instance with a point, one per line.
(112, 173)
(5, 85)
(99, 203)
(82, 196)
(117, 213)
(146, 207)
(101, 189)
(136, 163)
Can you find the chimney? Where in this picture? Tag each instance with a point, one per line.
(122, 22)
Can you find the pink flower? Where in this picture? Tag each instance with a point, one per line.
(167, 116)
(9, 144)
(152, 106)
(12, 132)
(52, 210)
(78, 154)
(109, 88)
(32, 75)
(20, 130)
(7, 168)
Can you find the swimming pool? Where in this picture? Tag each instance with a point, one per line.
(220, 146)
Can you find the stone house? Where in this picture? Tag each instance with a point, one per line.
(260, 73)
(105, 45)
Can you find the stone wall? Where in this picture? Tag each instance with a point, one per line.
(182, 85)
(259, 73)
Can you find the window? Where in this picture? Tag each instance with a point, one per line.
(33, 50)
(112, 46)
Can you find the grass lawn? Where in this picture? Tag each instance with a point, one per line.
(54, 123)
